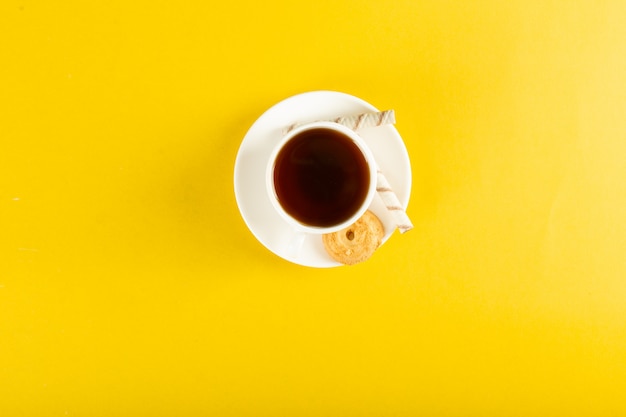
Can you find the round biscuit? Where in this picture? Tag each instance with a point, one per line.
(357, 242)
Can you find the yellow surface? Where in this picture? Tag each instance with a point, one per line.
(130, 286)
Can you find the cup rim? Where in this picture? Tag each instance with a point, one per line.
(369, 158)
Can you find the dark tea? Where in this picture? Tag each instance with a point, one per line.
(321, 177)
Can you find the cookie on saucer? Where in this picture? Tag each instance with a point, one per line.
(355, 243)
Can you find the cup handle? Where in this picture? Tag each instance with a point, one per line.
(295, 244)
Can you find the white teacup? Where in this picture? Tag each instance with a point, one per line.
(321, 178)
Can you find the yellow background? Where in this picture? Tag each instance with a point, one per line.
(130, 285)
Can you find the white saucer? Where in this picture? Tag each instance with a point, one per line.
(255, 207)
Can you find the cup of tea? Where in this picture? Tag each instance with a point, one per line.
(321, 178)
